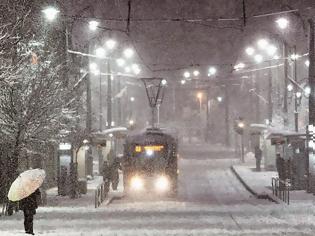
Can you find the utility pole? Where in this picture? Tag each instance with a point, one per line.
(207, 115)
(109, 96)
(311, 81)
(296, 114)
(257, 85)
(100, 104)
(227, 114)
(285, 91)
(88, 105)
(270, 105)
(311, 71)
(119, 114)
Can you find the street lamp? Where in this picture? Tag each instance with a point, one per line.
(186, 74)
(250, 51)
(262, 43)
(298, 94)
(295, 57)
(128, 53)
(131, 122)
(290, 87)
(110, 44)
(220, 99)
(164, 82)
(51, 13)
(93, 66)
(212, 71)
(282, 23)
(183, 81)
(239, 66)
(307, 91)
(120, 62)
(100, 52)
(271, 50)
(258, 58)
(135, 68)
(93, 25)
(196, 73)
(132, 99)
(307, 63)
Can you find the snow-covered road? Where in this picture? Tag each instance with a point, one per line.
(211, 202)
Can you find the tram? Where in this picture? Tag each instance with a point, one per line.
(150, 162)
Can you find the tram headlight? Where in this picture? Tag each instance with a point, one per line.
(136, 183)
(162, 184)
(149, 152)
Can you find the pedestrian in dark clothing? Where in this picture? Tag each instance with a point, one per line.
(258, 156)
(106, 175)
(29, 205)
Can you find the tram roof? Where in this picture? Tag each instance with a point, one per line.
(150, 135)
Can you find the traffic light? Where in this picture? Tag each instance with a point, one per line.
(239, 126)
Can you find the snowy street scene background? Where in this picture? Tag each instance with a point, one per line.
(133, 117)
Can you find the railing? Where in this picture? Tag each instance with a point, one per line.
(281, 189)
(101, 193)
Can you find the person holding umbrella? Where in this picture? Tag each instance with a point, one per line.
(25, 189)
(29, 205)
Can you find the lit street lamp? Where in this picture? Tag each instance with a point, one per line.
(93, 25)
(128, 53)
(220, 99)
(186, 74)
(282, 23)
(100, 52)
(262, 43)
(212, 71)
(51, 13)
(250, 51)
(196, 73)
(258, 58)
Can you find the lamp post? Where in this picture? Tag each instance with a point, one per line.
(199, 96)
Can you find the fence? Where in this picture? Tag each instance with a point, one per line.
(101, 193)
(281, 189)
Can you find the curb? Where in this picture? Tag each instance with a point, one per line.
(249, 189)
(111, 199)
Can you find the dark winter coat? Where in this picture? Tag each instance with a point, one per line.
(30, 203)
(258, 153)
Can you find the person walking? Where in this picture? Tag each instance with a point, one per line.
(29, 205)
(258, 156)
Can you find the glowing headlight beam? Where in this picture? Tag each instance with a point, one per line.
(162, 184)
(136, 183)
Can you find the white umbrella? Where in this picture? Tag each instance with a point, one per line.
(26, 184)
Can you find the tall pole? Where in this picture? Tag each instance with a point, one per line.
(88, 105)
(311, 81)
(285, 91)
(270, 105)
(296, 114)
(242, 148)
(311, 71)
(227, 115)
(207, 115)
(119, 118)
(257, 85)
(153, 117)
(109, 96)
(100, 104)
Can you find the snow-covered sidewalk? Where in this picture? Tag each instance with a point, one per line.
(259, 184)
(85, 200)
